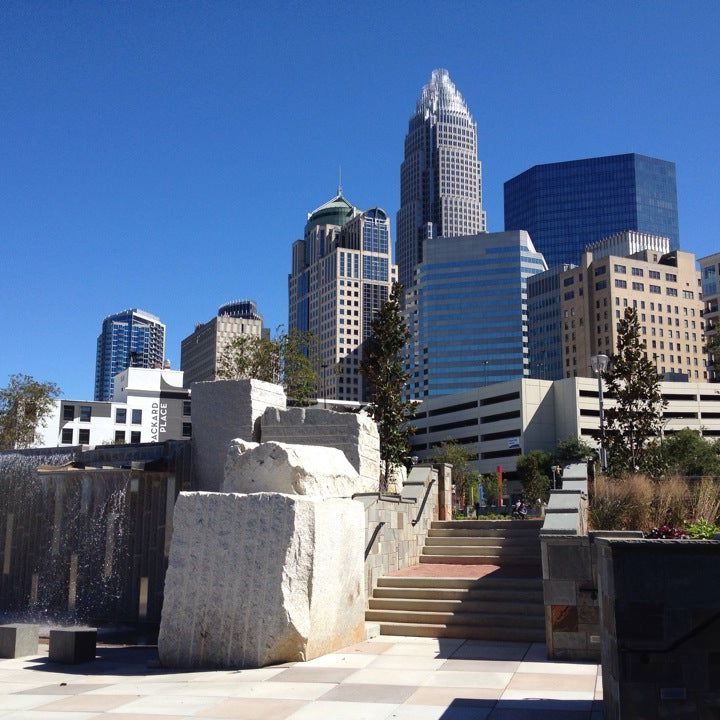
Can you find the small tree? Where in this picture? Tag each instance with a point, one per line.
(574, 450)
(636, 417)
(534, 471)
(452, 452)
(382, 368)
(287, 358)
(687, 452)
(491, 487)
(24, 405)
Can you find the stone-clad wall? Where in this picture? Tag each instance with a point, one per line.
(570, 590)
(392, 542)
(660, 618)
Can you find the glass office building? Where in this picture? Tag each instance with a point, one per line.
(440, 176)
(131, 338)
(568, 205)
(468, 312)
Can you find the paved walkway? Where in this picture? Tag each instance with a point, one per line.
(385, 678)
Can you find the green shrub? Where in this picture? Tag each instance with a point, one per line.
(702, 530)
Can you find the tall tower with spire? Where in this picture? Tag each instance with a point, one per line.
(440, 176)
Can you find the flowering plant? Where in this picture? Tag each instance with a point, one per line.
(666, 532)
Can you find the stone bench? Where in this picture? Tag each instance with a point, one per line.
(73, 645)
(18, 640)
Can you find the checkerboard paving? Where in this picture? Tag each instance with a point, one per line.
(387, 678)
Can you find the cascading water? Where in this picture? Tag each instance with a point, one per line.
(81, 545)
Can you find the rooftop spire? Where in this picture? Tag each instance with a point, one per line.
(339, 187)
(441, 94)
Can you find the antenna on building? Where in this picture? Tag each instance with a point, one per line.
(339, 192)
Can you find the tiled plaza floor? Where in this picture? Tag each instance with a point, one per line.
(385, 678)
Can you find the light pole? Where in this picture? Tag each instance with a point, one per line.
(599, 364)
(324, 384)
(556, 470)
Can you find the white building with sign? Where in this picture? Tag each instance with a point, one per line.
(148, 405)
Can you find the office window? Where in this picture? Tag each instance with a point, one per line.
(137, 417)
(638, 272)
(186, 408)
(68, 412)
(66, 436)
(119, 436)
(600, 270)
(671, 291)
(187, 429)
(620, 269)
(638, 286)
(121, 415)
(655, 289)
(671, 277)
(84, 436)
(654, 274)
(135, 436)
(621, 283)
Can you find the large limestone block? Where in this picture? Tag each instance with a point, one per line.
(223, 410)
(355, 434)
(293, 469)
(261, 579)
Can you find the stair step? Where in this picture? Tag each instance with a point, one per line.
(458, 606)
(514, 542)
(456, 618)
(480, 560)
(489, 596)
(498, 551)
(488, 582)
(486, 524)
(468, 632)
(530, 535)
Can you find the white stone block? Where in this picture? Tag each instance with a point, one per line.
(355, 434)
(292, 469)
(261, 579)
(223, 410)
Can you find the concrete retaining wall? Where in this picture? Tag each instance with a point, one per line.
(396, 527)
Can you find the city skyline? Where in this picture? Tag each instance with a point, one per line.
(141, 146)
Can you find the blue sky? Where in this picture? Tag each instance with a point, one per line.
(164, 155)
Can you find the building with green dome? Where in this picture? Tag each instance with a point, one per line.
(341, 275)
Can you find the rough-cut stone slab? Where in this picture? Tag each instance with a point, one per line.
(73, 645)
(223, 410)
(355, 434)
(293, 469)
(18, 640)
(260, 579)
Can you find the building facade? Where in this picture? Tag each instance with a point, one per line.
(342, 273)
(440, 176)
(467, 312)
(147, 406)
(664, 289)
(201, 351)
(544, 313)
(567, 206)
(709, 273)
(498, 423)
(131, 338)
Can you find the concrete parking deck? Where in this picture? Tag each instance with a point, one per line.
(384, 678)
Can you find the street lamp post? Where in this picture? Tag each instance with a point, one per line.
(556, 470)
(599, 364)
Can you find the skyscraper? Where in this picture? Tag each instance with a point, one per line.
(341, 275)
(440, 176)
(566, 206)
(201, 351)
(131, 338)
(467, 313)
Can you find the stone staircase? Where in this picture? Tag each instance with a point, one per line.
(506, 604)
(484, 542)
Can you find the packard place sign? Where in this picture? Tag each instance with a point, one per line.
(158, 420)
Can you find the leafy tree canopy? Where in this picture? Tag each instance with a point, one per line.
(383, 369)
(534, 472)
(688, 453)
(24, 405)
(574, 450)
(456, 454)
(636, 418)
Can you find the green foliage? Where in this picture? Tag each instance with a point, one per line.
(534, 472)
(463, 476)
(24, 405)
(491, 487)
(702, 530)
(287, 358)
(574, 450)
(636, 417)
(688, 453)
(383, 369)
